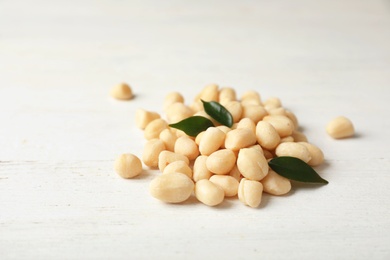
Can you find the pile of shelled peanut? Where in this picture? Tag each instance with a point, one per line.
(220, 161)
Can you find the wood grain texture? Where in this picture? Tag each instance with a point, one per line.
(60, 131)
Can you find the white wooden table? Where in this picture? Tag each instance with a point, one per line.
(60, 131)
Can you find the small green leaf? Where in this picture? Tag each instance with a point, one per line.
(295, 169)
(218, 112)
(193, 125)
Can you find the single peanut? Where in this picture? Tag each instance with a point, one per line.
(239, 138)
(144, 117)
(254, 112)
(317, 156)
(152, 150)
(177, 112)
(204, 114)
(197, 106)
(250, 192)
(340, 127)
(209, 93)
(227, 94)
(292, 149)
(199, 137)
(252, 164)
(282, 124)
(235, 109)
(171, 98)
(266, 135)
(122, 91)
(178, 166)
(154, 128)
(272, 102)
(293, 118)
(250, 97)
(209, 193)
(287, 139)
(228, 183)
(167, 157)
(247, 123)
(275, 184)
(200, 170)
(128, 166)
(299, 136)
(172, 188)
(186, 146)
(169, 139)
(211, 141)
(221, 161)
(276, 111)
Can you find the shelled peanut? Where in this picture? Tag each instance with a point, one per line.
(222, 161)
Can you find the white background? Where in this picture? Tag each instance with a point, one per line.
(60, 131)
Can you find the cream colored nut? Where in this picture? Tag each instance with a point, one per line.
(235, 173)
(228, 183)
(197, 106)
(177, 112)
(224, 129)
(178, 132)
(282, 124)
(293, 118)
(250, 97)
(209, 93)
(154, 128)
(252, 164)
(247, 123)
(227, 94)
(250, 192)
(257, 147)
(209, 193)
(299, 136)
(254, 112)
(172, 188)
(340, 127)
(221, 161)
(211, 141)
(200, 170)
(186, 146)
(276, 111)
(152, 150)
(272, 102)
(128, 166)
(235, 109)
(287, 139)
(266, 135)
(178, 166)
(122, 91)
(199, 137)
(294, 150)
(239, 138)
(204, 114)
(169, 139)
(317, 156)
(275, 184)
(144, 117)
(171, 98)
(167, 157)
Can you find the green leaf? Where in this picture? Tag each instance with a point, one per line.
(193, 125)
(295, 169)
(218, 112)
